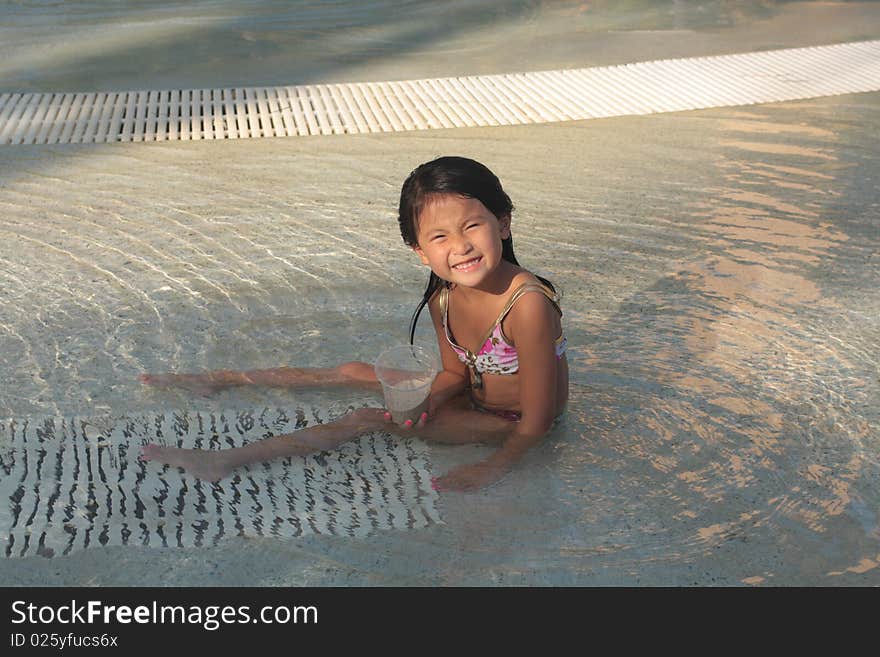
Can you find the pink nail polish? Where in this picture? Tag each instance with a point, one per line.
(408, 423)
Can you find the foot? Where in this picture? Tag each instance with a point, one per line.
(202, 464)
(470, 477)
(201, 384)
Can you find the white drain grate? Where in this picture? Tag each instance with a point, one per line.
(485, 100)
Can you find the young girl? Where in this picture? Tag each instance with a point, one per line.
(505, 375)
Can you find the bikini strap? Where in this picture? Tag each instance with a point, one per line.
(517, 293)
(523, 289)
(444, 304)
(444, 317)
(470, 357)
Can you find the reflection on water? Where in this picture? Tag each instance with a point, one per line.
(719, 274)
(732, 390)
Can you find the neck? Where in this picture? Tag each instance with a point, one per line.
(498, 282)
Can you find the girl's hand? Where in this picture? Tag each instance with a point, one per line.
(409, 423)
(423, 420)
(470, 477)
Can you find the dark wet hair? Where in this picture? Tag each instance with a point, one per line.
(451, 175)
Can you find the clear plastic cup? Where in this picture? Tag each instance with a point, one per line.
(406, 373)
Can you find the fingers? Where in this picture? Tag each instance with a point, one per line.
(467, 479)
(423, 419)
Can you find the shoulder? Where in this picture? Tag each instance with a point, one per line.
(535, 291)
(532, 305)
(533, 315)
(523, 277)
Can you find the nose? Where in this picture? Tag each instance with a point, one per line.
(461, 245)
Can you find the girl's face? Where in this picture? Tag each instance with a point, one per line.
(460, 239)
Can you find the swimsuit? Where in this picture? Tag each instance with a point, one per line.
(510, 416)
(497, 355)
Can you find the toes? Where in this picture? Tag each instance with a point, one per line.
(148, 452)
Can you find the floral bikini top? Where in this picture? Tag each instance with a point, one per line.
(497, 355)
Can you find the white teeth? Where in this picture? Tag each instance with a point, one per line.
(465, 265)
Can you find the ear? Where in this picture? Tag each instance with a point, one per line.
(418, 251)
(504, 223)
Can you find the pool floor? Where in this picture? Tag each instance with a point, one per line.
(717, 268)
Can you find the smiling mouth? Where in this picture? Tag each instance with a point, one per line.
(464, 266)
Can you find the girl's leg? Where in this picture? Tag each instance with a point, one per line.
(453, 423)
(458, 424)
(357, 374)
(212, 465)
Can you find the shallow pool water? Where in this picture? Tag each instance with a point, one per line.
(719, 274)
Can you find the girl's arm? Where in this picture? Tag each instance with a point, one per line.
(533, 326)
